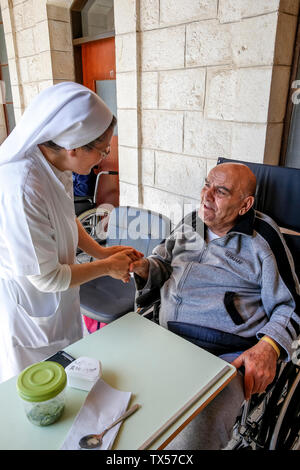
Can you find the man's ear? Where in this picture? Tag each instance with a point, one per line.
(248, 203)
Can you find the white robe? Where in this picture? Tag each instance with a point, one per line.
(34, 324)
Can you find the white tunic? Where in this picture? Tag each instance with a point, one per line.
(38, 234)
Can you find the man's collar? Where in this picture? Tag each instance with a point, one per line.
(244, 223)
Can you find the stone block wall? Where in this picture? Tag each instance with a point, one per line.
(39, 46)
(197, 80)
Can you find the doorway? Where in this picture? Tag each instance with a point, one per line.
(99, 74)
(95, 64)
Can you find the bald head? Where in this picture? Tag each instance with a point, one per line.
(241, 176)
(227, 194)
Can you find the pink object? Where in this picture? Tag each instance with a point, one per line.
(92, 325)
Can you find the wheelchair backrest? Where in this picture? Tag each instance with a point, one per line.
(278, 195)
(140, 228)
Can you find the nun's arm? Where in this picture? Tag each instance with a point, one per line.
(87, 244)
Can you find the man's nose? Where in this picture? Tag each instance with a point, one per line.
(210, 193)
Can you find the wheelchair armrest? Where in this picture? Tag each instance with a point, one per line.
(83, 198)
(148, 299)
(148, 304)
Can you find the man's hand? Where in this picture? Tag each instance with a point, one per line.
(260, 367)
(141, 268)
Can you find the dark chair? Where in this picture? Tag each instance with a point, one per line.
(105, 299)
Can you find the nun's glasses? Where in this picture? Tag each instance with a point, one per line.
(105, 153)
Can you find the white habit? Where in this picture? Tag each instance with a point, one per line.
(38, 231)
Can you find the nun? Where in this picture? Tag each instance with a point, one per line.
(67, 128)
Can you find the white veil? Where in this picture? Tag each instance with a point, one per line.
(68, 113)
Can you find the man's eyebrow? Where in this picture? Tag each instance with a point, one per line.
(224, 189)
(219, 187)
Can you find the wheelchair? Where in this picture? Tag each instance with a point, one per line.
(92, 218)
(270, 420)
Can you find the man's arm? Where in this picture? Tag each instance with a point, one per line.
(141, 268)
(279, 300)
(152, 272)
(280, 288)
(277, 335)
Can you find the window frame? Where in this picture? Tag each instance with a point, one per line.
(5, 103)
(290, 105)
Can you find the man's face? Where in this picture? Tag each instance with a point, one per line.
(222, 199)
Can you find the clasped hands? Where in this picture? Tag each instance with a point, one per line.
(120, 259)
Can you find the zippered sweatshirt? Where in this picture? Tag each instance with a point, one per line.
(243, 283)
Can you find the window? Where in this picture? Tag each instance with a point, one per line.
(97, 17)
(290, 155)
(293, 147)
(92, 19)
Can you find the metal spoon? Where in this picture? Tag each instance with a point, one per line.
(91, 441)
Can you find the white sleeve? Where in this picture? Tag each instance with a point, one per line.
(55, 281)
(52, 275)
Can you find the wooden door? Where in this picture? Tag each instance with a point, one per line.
(98, 66)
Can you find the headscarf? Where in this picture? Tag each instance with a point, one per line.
(68, 113)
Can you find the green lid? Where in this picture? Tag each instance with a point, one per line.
(41, 381)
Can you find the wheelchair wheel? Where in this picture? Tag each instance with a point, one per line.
(89, 220)
(94, 222)
(83, 257)
(287, 430)
(280, 424)
(95, 225)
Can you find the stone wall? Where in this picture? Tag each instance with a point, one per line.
(197, 80)
(39, 46)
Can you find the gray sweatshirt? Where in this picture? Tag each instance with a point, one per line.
(243, 283)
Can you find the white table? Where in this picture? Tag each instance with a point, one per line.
(163, 371)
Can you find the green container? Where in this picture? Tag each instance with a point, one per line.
(41, 387)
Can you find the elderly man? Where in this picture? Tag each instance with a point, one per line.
(221, 289)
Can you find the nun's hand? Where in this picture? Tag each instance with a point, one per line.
(118, 264)
(112, 250)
